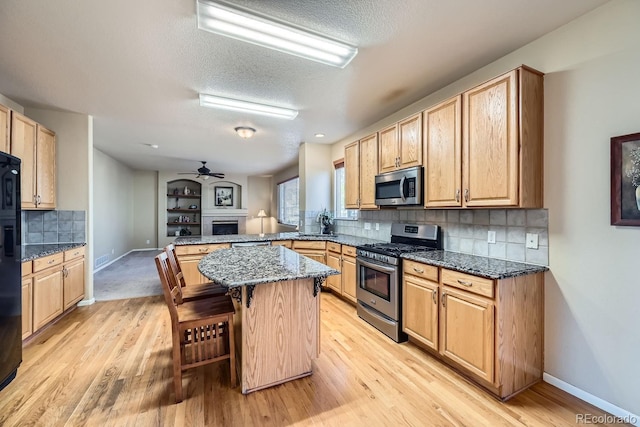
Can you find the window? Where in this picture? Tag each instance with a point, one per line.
(288, 209)
(339, 193)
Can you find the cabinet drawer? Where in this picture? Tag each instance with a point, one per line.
(309, 244)
(74, 253)
(475, 284)
(285, 243)
(348, 250)
(333, 247)
(27, 268)
(200, 249)
(418, 269)
(45, 262)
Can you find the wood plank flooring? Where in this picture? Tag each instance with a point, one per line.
(109, 364)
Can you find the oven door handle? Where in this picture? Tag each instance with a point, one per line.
(376, 266)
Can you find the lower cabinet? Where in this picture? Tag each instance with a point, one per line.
(334, 260)
(285, 243)
(314, 249)
(190, 255)
(27, 312)
(349, 273)
(73, 276)
(469, 322)
(47, 296)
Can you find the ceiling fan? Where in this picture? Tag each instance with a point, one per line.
(203, 172)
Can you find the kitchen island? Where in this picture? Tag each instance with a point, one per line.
(277, 320)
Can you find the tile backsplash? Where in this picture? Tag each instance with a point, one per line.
(465, 230)
(40, 227)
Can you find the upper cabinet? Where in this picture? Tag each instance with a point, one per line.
(5, 122)
(35, 146)
(502, 137)
(401, 144)
(361, 167)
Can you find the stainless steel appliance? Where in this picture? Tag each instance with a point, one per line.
(399, 188)
(379, 275)
(10, 270)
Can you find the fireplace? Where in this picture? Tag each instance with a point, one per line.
(224, 227)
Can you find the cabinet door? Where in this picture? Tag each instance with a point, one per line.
(47, 297)
(389, 157)
(368, 171)
(420, 310)
(334, 282)
(5, 135)
(27, 312)
(467, 332)
(410, 141)
(349, 278)
(352, 175)
(443, 154)
(73, 282)
(46, 169)
(23, 145)
(316, 256)
(490, 143)
(189, 267)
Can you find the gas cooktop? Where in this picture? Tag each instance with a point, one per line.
(394, 249)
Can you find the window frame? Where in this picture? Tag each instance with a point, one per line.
(339, 204)
(281, 208)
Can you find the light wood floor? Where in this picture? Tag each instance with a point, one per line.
(109, 364)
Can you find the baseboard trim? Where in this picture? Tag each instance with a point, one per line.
(122, 256)
(614, 410)
(86, 302)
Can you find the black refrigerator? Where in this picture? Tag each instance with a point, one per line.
(10, 270)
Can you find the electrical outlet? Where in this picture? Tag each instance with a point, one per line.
(148, 241)
(532, 241)
(377, 226)
(491, 236)
(367, 226)
(113, 251)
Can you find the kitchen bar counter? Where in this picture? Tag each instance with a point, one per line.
(490, 268)
(277, 320)
(31, 252)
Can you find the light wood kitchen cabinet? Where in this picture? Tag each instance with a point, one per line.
(73, 282)
(352, 175)
(443, 154)
(401, 144)
(467, 321)
(5, 129)
(47, 296)
(35, 146)
(27, 298)
(314, 249)
(334, 260)
(190, 255)
(502, 135)
(285, 243)
(349, 273)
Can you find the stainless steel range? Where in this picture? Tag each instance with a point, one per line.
(379, 275)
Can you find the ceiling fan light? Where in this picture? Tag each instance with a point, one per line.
(231, 104)
(273, 34)
(245, 132)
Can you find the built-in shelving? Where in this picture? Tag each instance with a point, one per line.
(180, 218)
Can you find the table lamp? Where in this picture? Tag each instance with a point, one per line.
(262, 215)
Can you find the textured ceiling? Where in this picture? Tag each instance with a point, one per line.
(138, 66)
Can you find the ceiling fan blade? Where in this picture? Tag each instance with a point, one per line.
(216, 175)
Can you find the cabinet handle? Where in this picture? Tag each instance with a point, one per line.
(202, 250)
(51, 261)
(35, 200)
(466, 194)
(442, 299)
(65, 272)
(418, 270)
(435, 296)
(465, 283)
(458, 195)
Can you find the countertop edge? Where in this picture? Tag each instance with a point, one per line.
(61, 247)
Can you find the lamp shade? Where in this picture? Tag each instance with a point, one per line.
(262, 214)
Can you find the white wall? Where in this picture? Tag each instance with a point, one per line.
(113, 186)
(145, 207)
(259, 188)
(11, 104)
(592, 93)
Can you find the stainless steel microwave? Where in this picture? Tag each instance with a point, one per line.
(399, 188)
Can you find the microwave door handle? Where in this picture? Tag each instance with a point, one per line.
(404, 178)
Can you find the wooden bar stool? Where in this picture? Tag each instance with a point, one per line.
(194, 291)
(202, 330)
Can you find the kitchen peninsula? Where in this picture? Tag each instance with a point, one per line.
(277, 320)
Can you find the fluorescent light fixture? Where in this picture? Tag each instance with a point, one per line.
(319, 135)
(246, 106)
(267, 32)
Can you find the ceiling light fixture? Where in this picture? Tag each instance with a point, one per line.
(273, 34)
(246, 106)
(245, 132)
(319, 135)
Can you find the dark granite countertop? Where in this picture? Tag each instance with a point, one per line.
(252, 265)
(343, 239)
(490, 268)
(31, 252)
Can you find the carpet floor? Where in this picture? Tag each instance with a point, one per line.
(132, 276)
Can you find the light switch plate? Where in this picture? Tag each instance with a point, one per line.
(532, 241)
(377, 226)
(367, 226)
(491, 236)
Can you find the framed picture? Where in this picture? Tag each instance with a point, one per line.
(224, 196)
(625, 180)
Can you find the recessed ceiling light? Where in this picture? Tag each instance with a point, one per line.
(155, 146)
(319, 135)
(246, 106)
(274, 34)
(245, 132)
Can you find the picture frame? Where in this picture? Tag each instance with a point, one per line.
(224, 196)
(625, 180)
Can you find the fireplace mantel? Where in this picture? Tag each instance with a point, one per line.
(225, 212)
